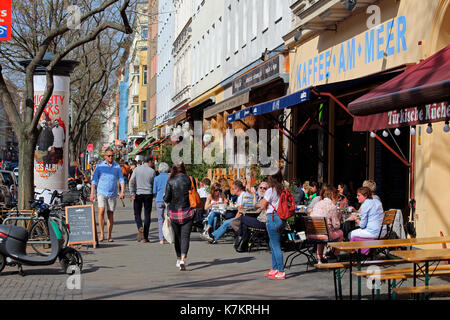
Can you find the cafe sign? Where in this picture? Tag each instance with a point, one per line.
(258, 75)
(429, 113)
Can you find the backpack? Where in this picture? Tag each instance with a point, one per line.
(286, 206)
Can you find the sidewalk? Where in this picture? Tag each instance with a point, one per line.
(126, 269)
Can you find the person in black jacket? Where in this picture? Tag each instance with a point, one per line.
(180, 212)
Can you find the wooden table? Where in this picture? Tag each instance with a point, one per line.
(423, 256)
(356, 246)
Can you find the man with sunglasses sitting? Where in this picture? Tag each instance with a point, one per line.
(252, 222)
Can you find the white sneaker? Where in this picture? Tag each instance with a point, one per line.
(178, 264)
(205, 236)
(182, 266)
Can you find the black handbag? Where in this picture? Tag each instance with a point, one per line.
(410, 225)
(241, 244)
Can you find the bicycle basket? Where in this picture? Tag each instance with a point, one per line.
(70, 197)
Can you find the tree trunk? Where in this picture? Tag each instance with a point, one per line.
(26, 173)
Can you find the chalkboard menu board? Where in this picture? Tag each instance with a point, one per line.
(81, 221)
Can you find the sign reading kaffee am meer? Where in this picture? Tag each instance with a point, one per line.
(5, 20)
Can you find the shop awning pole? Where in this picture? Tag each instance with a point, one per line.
(304, 126)
(281, 128)
(244, 124)
(406, 163)
(327, 94)
(331, 96)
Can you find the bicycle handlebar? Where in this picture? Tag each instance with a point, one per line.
(39, 193)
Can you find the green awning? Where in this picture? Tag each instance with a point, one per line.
(140, 147)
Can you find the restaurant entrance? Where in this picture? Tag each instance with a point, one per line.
(391, 175)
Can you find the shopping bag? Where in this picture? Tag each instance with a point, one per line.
(167, 230)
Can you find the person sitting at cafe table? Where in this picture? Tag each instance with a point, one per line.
(316, 199)
(327, 208)
(312, 192)
(343, 195)
(249, 221)
(244, 200)
(371, 212)
(373, 188)
(214, 199)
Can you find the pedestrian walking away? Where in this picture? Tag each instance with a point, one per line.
(180, 212)
(159, 186)
(141, 188)
(104, 181)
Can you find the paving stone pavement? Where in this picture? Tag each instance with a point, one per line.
(127, 269)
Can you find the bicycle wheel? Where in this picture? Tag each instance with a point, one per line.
(39, 232)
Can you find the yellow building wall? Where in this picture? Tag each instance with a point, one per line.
(427, 31)
(432, 172)
(415, 17)
(142, 89)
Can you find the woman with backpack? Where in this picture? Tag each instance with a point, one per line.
(274, 225)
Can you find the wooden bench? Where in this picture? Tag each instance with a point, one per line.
(394, 274)
(337, 266)
(423, 289)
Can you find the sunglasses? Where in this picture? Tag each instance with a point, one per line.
(263, 188)
(109, 155)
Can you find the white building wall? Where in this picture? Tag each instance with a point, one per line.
(251, 26)
(182, 75)
(207, 45)
(165, 61)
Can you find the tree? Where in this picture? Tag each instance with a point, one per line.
(32, 37)
(91, 85)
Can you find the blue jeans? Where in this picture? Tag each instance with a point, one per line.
(212, 219)
(222, 229)
(160, 208)
(274, 229)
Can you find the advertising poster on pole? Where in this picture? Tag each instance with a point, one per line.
(51, 154)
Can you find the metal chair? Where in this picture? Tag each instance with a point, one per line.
(388, 223)
(257, 238)
(316, 233)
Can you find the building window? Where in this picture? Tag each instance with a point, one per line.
(266, 13)
(219, 42)
(254, 20)
(244, 23)
(228, 21)
(278, 11)
(236, 28)
(144, 111)
(144, 76)
(213, 51)
(144, 34)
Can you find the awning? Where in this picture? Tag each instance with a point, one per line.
(154, 143)
(424, 114)
(179, 115)
(270, 106)
(141, 147)
(425, 83)
(310, 92)
(227, 104)
(241, 114)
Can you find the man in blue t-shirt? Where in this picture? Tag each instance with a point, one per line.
(104, 180)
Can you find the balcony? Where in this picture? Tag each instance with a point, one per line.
(318, 15)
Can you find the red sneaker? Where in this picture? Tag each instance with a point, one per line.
(278, 276)
(270, 273)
